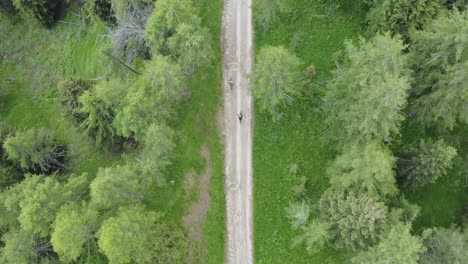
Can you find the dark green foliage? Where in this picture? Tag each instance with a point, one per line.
(356, 221)
(99, 106)
(69, 90)
(8, 177)
(399, 246)
(365, 99)
(446, 245)
(425, 163)
(103, 9)
(36, 150)
(45, 11)
(401, 16)
(7, 7)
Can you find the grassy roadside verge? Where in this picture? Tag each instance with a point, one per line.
(196, 128)
(313, 31)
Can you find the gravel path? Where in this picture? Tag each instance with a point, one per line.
(237, 66)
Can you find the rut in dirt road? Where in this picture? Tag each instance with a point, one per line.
(237, 66)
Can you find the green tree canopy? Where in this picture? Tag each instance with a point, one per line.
(315, 236)
(118, 186)
(42, 198)
(36, 150)
(366, 169)
(440, 58)
(275, 78)
(139, 236)
(446, 245)
(166, 17)
(400, 16)
(190, 46)
(45, 11)
(151, 99)
(99, 106)
(157, 151)
(22, 247)
(356, 221)
(298, 214)
(365, 98)
(398, 247)
(74, 230)
(425, 163)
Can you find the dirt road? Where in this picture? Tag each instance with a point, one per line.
(237, 65)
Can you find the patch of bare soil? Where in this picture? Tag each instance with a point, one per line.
(194, 220)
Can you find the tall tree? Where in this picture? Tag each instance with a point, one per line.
(74, 230)
(36, 150)
(356, 221)
(151, 99)
(400, 16)
(22, 247)
(398, 247)
(42, 198)
(446, 245)
(439, 59)
(366, 169)
(365, 98)
(157, 151)
(275, 78)
(139, 236)
(166, 17)
(190, 46)
(315, 236)
(117, 186)
(425, 163)
(99, 106)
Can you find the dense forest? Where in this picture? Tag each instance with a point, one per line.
(94, 98)
(389, 115)
(360, 140)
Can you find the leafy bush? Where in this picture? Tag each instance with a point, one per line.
(45, 11)
(36, 150)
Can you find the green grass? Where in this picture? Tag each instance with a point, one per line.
(33, 58)
(313, 31)
(442, 202)
(196, 127)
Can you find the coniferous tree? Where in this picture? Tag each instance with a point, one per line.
(425, 163)
(275, 79)
(366, 98)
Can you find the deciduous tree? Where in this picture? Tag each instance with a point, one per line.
(446, 245)
(365, 99)
(366, 169)
(399, 246)
(276, 79)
